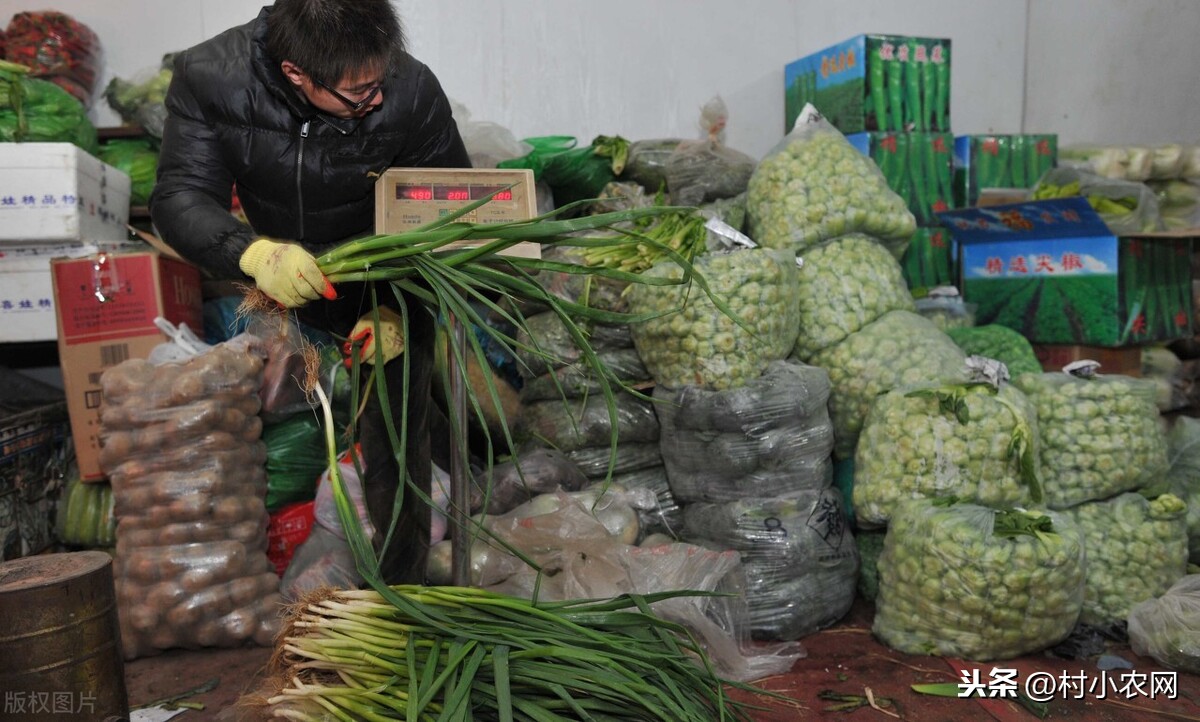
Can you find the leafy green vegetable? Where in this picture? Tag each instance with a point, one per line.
(1000, 343)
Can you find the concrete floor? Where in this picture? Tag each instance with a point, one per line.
(844, 659)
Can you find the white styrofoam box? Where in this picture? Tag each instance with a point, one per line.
(27, 291)
(58, 193)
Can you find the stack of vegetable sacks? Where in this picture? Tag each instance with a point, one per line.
(963, 580)
(563, 408)
(974, 441)
(181, 445)
(751, 466)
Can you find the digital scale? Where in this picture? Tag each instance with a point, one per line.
(407, 198)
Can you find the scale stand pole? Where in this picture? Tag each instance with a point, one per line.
(460, 503)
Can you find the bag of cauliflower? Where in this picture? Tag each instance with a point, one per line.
(798, 554)
(768, 438)
(1168, 628)
(899, 349)
(844, 285)
(694, 342)
(961, 580)
(814, 186)
(970, 440)
(1100, 434)
(1136, 549)
(1002, 343)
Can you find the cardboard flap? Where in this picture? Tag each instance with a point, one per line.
(1033, 221)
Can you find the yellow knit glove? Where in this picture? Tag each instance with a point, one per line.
(285, 272)
(363, 338)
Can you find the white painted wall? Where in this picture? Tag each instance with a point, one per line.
(643, 69)
(1127, 72)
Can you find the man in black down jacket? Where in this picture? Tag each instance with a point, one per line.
(303, 108)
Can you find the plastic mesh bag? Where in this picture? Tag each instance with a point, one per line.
(1127, 207)
(1136, 549)
(798, 554)
(58, 48)
(695, 343)
(913, 446)
(814, 186)
(708, 170)
(899, 349)
(573, 424)
(566, 534)
(1168, 628)
(845, 285)
(1100, 435)
(181, 444)
(961, 580)
(1001, 343)
(769, 438)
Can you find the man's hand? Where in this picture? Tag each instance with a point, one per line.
(285, 272)
(363, 339)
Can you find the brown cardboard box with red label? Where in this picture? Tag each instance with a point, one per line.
(106, 306)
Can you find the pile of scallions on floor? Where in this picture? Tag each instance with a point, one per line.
(454, 653)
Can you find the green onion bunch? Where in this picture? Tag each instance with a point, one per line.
(453, 653)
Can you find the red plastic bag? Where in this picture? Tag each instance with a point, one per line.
(287, 530)
(58, 48)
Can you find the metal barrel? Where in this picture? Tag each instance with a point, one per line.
(60, 646)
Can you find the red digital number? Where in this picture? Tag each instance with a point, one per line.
(457, 196)
(418, 194)
(503, 196)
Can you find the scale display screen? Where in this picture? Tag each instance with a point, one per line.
(408, 198)
(443, 192)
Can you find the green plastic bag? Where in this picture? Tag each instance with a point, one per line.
(295, 459)
(573, 173)
(139, 159)
(38, 111)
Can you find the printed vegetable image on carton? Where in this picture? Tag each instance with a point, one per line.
(873, 82)
(918, 167)
(928, 262)
(1000, 161)
(1053, 271)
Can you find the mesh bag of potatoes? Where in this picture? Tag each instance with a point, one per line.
(181, 444)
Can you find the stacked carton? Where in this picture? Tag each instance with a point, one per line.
(891, 96)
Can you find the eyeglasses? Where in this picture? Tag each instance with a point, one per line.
(355, 106)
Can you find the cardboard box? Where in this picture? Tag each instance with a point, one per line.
(1126, 360)
(927, 261)
(58, 193)
(873, 82)
(1000, 161)
(26, 291)
(919, 167)
(106, 310)
(1054, 272)
(35, 448)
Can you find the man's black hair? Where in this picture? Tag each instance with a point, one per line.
(329, 39)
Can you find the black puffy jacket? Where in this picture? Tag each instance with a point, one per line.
(301, 175)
